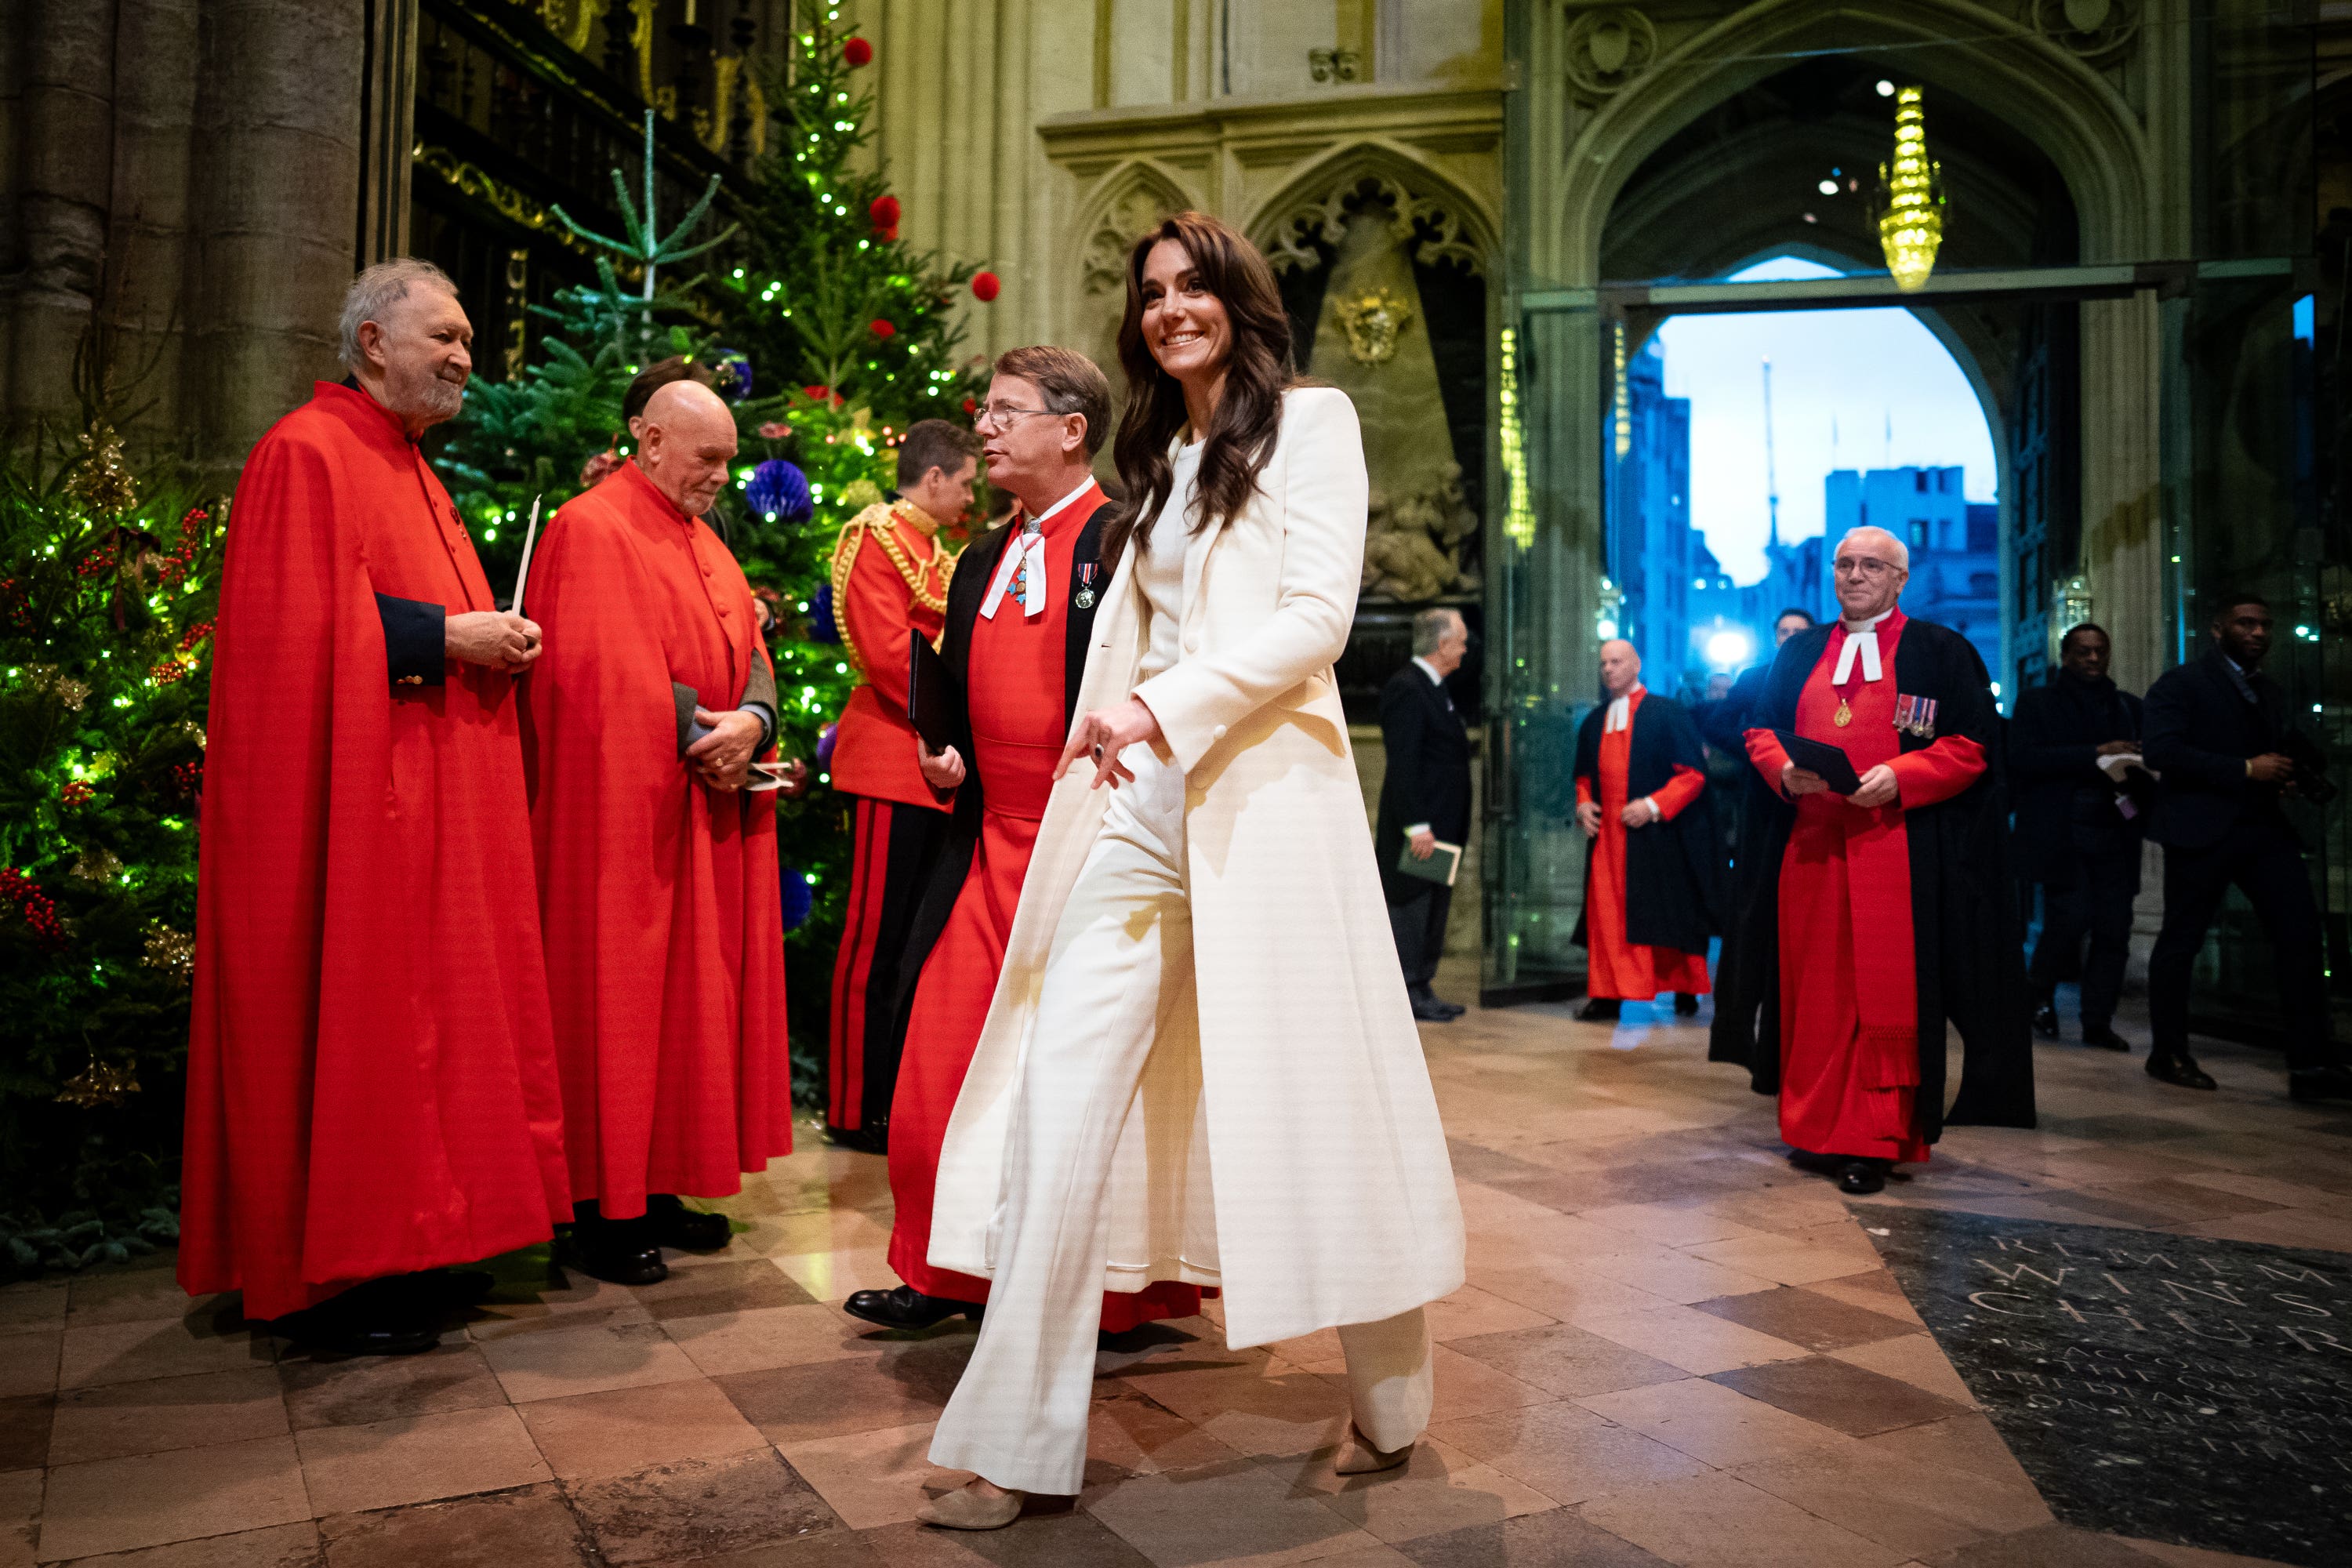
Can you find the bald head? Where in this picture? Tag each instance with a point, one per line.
(1621, 667)
(688, 436)
(1868, 573)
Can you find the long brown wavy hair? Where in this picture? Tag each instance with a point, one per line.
(1242, 433)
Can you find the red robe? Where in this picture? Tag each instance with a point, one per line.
(1849, 991)
(371, 1079)
(1016, 700)
(1620, 968)
(657, 893)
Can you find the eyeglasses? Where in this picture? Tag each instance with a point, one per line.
(1001, 415)
(1861, 566)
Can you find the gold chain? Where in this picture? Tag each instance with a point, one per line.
(875, 522)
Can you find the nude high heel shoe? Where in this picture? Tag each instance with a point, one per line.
(965, 1509)
(1358, 1458)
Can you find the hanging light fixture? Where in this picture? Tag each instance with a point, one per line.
(1911, 223)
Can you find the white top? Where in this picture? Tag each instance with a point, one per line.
(1160, 575)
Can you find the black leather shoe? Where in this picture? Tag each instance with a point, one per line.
(1435, 1011)
(907, 1308)
(2105, 1038)
(2180, 1070)
(1598, 1010)
(1686, 1005)
(617, 1251)
(2320, 1083)
(688, 1230)
(2045, 1020)
(1861, 1177)
(382, 1317)
(874, 1138)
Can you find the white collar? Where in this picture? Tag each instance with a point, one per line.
(1621, 710)
(1039, 521)
(1869, 626)
(1860, 641)
(1430, 671)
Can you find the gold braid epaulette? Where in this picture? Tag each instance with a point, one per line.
(877, 521)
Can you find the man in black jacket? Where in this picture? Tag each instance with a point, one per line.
(1724, 724)
(1425, 798)
(2078, 830)
(2218, 737)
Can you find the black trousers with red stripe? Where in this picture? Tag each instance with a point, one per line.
(897, 847)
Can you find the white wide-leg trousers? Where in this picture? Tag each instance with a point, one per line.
(1121, 963)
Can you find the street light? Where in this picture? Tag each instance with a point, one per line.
(1727, 647)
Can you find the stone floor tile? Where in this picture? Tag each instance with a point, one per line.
(25, 1421)
(627, 1429)
(119, 1505)
(731, 1285)
(1267, 1408)
(351, 1391)
(1438, 1490)
(166, 1347)
(2051, 1546)
(418, 1458)
(1873, 1292)
(1677, 1276)
(1782, 1260)
(28, 1361)
(1803, 1316)
(1913, 1507)
(1557, 1287)
(904, 1384)
(826, 1549)
(1692, 1340)
(148, 1291)
(1712, 1424)
(2165, 1551)
(1559, 1539)
(34, 1304)
(1840, 1396)
(1916, 1359)
(1567, 1361)
(700, 1508)
(586, 1360)
(531, 1527)
(872, 1478)
(1720, 1521)
(1679, 1224)
(1234, 1513)
(533, 1294)
(820, 1230)
(1129, 1435)
(2280, 1227)
(1070, 1539)
(767, 1337)
(1567, 1452)
(833, 1276)
(278, 1546)
(1470, 1312)
(1963, 1443)
(20, 1516)
(117, 1419)
(1465, 1386)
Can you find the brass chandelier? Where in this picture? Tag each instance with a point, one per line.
(1911, 221)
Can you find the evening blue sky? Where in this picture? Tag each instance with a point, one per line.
(1860, 369)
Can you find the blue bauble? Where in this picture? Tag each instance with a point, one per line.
(825, 740)
(821, 626)
(731, 369)
(799, 898)
(779, 490)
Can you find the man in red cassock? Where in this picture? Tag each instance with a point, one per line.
(372, 1090)
(1871, 918)
(657, 865)
(1650, 878)
(1019, 618)
(889, 585)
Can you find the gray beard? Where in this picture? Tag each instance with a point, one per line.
(434, 400)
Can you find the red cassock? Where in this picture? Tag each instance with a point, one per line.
(1849, 988)
(657, 893)
(371, 1079)
(1015, 694)
(1620, 968)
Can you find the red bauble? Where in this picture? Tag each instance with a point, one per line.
(857, 52)
(818, 394)
(882, 329)
(970, 407)
(984, 285)
(884, 212)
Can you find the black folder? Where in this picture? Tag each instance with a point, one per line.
(1821, 757)
(931, 693)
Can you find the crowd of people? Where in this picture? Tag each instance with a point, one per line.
(490, 949)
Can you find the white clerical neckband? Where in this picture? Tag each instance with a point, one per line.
(1027, 552)
(1862, 641)
(1620, 712)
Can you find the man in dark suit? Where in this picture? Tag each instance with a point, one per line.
(1425, 798)
(2078, 830)
(2216, 735)
(1724, 724)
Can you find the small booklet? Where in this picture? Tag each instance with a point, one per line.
(1440, 868)
(1821, 757)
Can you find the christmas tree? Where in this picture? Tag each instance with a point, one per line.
(105, 600)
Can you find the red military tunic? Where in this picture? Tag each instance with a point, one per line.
(371, 1080)
(1018, 729)
(1849, 988)
(1620, 968)
(657, 893)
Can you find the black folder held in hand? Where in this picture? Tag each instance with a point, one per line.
(1821, 757)
(931, 693)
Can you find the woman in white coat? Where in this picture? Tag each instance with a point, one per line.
(1200, 1063)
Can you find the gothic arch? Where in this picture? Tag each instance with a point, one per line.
(2067, 108)
(1122, 205)
(1452, 224)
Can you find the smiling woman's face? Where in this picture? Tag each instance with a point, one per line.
(1184, 325)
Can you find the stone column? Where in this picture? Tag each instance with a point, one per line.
(2123, 514)
(387, 130)
(148, 263)
(63, 179)
(276, 196)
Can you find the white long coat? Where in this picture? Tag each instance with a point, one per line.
(1290, 1149)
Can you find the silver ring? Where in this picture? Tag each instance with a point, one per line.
(1098, 753)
